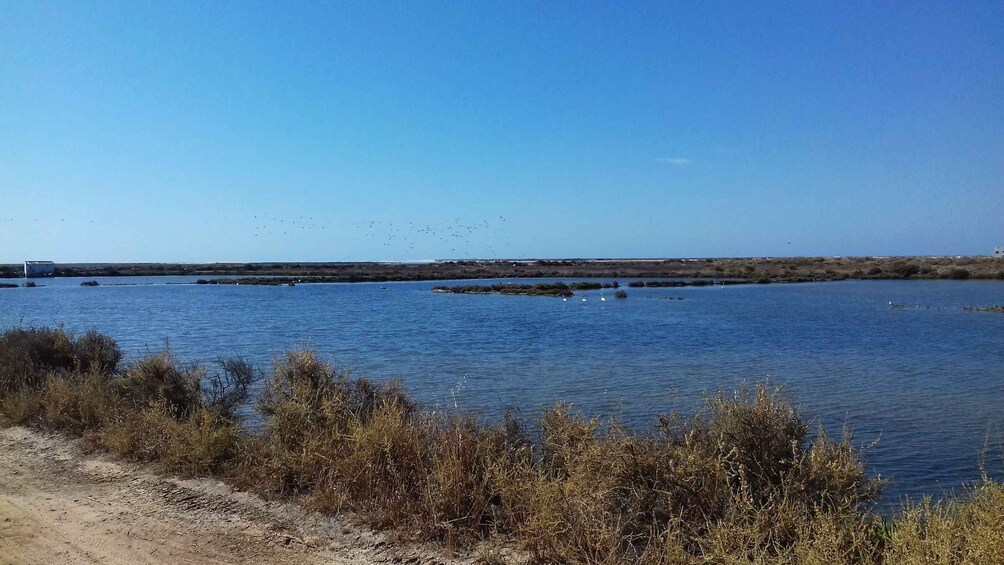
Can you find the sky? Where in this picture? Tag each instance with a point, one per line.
(353, 131)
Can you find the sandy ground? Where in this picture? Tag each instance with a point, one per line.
(59, 505)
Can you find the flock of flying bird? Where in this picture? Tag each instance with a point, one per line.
(458, 235)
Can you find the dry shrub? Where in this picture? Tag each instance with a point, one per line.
(970, 532)
(473, 468)
(614, 496)
(161, 381)
(178, 416)
(97, 353)
(76, 404)
(312, 415)
(779, 482)
(573, 502)
(200, 444)
(227, 392)
(739, 485)
(761, 438)
(300, 409)
(832, 539)
(154, 411)
(351, 443)
(564, 435)
(385, 467)
(20, 407)
(143, 435)
(746, 483)
(27, 356)
(205, 443)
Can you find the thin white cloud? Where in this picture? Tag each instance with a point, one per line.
(678, 161)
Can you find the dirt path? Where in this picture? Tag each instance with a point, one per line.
(58, 505)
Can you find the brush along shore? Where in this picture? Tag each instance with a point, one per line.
(745, 482)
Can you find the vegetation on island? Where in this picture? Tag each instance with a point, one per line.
(984, 308)
(262, 281)
(26, 284)
(681, 284)
(540, 289)
(746, 481)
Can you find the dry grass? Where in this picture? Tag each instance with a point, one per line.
(28, 355)
(743, 483)
(958, 533)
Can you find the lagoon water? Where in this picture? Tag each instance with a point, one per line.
(922, 386)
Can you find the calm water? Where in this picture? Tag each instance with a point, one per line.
(927, 382)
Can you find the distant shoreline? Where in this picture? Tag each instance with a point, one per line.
(788, 269)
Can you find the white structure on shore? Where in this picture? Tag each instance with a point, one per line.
(999, 252)
(34, 269)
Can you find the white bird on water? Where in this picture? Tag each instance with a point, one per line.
(583, 299)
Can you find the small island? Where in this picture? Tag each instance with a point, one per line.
(999, 309)
(680, 284)
(260, 281)
(540, 289)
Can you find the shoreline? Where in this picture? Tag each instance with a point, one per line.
(756, 269)
(742, 481)
(61, 503)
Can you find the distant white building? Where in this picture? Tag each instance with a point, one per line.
(999, 252)
(34, 269)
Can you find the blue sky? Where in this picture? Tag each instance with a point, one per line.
(183, 131)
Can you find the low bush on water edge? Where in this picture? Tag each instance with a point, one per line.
(744, 482)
